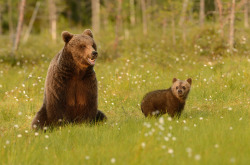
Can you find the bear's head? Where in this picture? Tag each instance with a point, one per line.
(181, 88)
(82, 47)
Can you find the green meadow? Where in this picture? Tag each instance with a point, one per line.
(213, 128)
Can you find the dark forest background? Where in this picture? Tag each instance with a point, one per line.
(225, 22)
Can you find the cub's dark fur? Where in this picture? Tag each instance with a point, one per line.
(171, 100)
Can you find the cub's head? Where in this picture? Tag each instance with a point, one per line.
(181, 88)
(82, 47)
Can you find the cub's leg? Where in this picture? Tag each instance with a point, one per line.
(147, 108)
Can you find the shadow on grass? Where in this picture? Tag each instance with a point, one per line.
(11, 60)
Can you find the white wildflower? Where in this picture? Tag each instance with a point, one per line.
(161, 120)
(112, 160)
(170, 151)
(197, 157)
(166, 138)
(143, 144)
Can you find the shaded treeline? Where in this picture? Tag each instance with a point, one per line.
(121, 16)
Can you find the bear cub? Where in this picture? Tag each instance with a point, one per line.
(171, 100)
(70, 93)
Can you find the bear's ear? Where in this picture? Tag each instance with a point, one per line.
(189, 80)
(174, 79)
(88, 32)
(66, 36)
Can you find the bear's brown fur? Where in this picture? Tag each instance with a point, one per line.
(171, 101)
(71, 87)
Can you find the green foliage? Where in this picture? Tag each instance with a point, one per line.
(209, 7)
(210, 41)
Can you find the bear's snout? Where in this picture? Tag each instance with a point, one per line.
(179, 91)
(94, 54)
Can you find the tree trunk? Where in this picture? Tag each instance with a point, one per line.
(10, 22)
(164, 26)
(238, 6)
(148, 6)
(231, 30)
(26, 36)
(19, 26)
(118, 25)
(52, 18)
(246, 14)
(132, 12)
(182, 19)
(173, 25)
(79, 10)
(190, 15)
(105, 14)
(202, 12)
(95, 5)
(144, 17)
(219, 5)
(183, 12)
(184, 34)
(1, 20)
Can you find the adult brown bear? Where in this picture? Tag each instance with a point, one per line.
(71, 87)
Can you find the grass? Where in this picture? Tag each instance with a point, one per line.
(213, 129)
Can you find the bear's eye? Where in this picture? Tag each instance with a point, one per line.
(183, 87)
(83, 46)
(177, 87)
(94, 46)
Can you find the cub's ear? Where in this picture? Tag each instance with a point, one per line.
(88, 32)
(174, 79)
(66, 36)
(189, 80)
